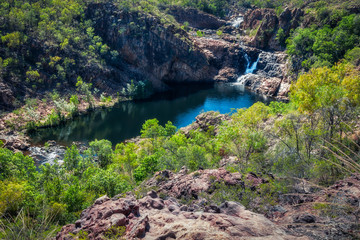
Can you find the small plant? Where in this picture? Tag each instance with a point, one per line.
(199, 33)
(333, 210)
(85, 88)
(16, 111)
(30, 126)
(53, 118)
(163, 195)
(75, 101)
(115, 233)
(46, 145)
(196, 174)
(82, 235)
(31, 102)
(105, 99)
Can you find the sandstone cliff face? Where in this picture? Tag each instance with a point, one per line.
(6, 96)
(150, 50)
(196, 18)
(268, 24)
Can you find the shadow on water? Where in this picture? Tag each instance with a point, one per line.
(180, 106)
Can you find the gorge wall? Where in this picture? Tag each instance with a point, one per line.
(160, 53)
(158, 50)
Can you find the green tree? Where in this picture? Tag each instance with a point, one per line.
(85, 88)
(126, 157)
(16, 166)
(72, 158)
(103, 150)
(147, 167)
(152, 129)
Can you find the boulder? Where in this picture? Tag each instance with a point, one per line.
(204, 121)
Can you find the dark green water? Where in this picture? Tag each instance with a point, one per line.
(125, 120)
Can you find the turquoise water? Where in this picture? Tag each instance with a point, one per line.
(124, 121)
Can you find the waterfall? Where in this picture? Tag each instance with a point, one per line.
(250, 68)
(247, 62)
(236, 23)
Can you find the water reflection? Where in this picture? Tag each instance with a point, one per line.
(124, 121)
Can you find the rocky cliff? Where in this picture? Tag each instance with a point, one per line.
(267, 26)
(156, 49)
(161, 53)
(196, 18)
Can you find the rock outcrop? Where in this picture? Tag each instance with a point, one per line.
(307, 212)
(155, 218)
(184, 185)
(6, 96)
(267, 24)
(269, 78)
(15, 142)
(196, 18)
(328, 213)
(206, 120)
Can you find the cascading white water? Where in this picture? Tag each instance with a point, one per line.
(253, 66)
(247, 62)
(250, 68)
(236, 23)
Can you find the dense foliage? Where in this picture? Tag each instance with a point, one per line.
(307, 138)
(317, 47)
(331, 32)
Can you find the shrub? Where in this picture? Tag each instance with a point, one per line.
(103, 150)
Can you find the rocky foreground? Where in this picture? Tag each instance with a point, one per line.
(305, 213)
